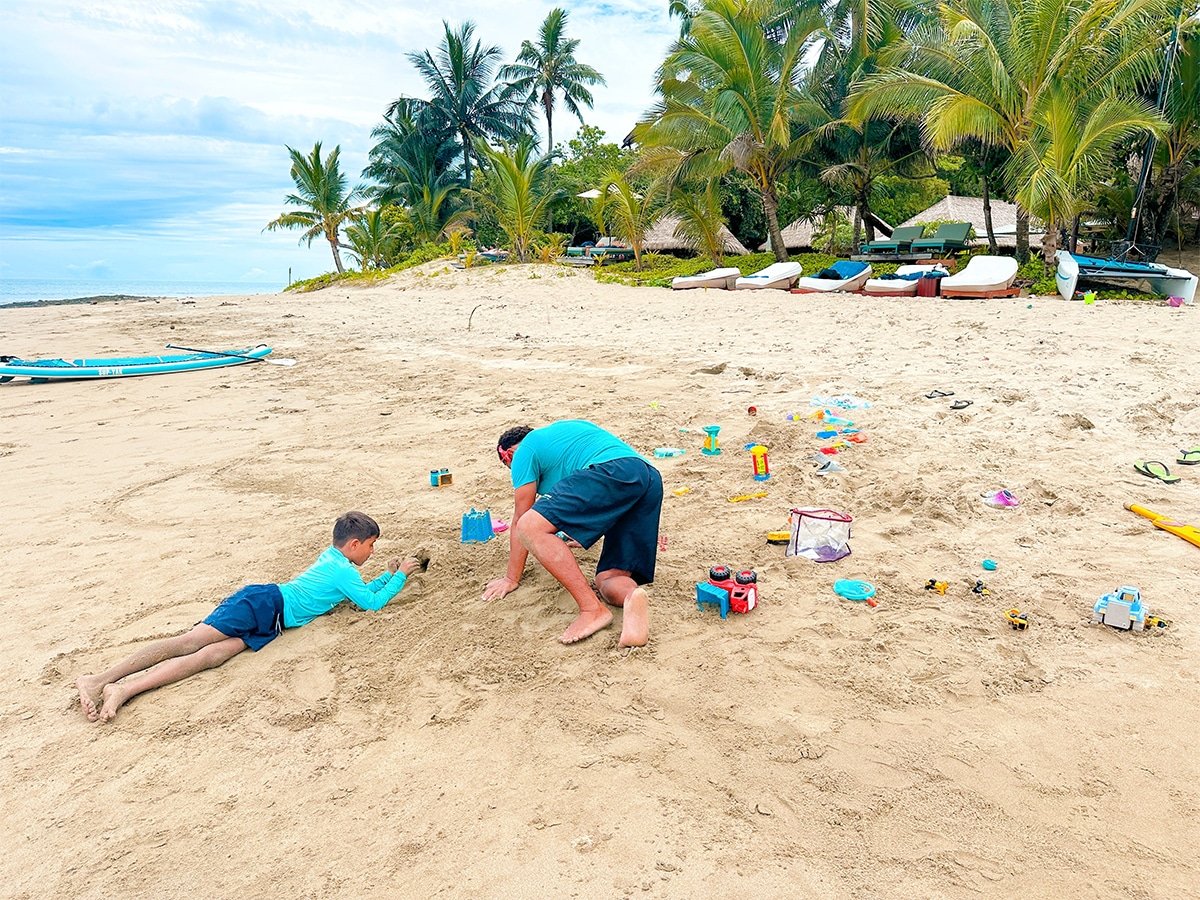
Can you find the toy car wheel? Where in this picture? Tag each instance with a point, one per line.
(719, 573)
(749, 576)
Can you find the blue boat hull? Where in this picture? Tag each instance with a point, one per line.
(42, 370)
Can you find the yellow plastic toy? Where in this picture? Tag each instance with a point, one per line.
(1189, 533)
(738, 498)
(1017, 619)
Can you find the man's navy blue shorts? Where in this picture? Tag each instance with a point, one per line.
(619, 500)
(254, 614)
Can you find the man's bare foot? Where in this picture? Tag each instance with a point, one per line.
(114, 699)
(586, 624)
(635, 626)
(90, 690)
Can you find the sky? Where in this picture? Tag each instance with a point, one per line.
(146, 141)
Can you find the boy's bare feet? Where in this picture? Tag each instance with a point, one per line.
(114, 699)
(586, 624)
(635, 626)
(90, 690)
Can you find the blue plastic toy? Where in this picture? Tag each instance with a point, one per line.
(713, 596)
(439, 477)
(712, 446)
(989, 565)
(827, 433)
(854, 590)
(477, 526)
(1123, 608)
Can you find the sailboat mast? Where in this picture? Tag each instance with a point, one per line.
(1152, 141)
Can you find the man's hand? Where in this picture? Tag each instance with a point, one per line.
(498, 588)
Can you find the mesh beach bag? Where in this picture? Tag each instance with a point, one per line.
(822, 535)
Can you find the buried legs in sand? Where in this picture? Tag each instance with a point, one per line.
(168, 661)
(537, 535)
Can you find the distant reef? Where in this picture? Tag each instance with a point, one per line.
(70, 301)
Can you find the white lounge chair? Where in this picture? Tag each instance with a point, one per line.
(900, 287)
(984, 276)
(717, 278)
(844, 276)
(780, 275)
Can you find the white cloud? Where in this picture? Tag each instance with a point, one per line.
(140, 126)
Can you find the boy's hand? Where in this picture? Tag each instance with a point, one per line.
(418, 561)
(393, 564)
(498, 588)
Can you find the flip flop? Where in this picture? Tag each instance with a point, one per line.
(960, 404)
(937, 395)
(1152, 468)
(1189, 457)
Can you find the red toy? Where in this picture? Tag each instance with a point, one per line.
(741, 587)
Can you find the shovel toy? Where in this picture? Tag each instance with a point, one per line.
(1189, 533)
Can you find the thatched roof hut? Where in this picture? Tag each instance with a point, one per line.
(970, 209)
(799, 234)
(662, 236)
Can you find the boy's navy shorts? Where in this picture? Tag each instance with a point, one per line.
(620, 501)
(254, 614)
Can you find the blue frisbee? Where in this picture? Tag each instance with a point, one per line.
(854, 590)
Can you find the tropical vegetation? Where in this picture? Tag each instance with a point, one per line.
(847, 114)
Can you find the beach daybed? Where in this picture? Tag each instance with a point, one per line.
(843, 275)
(904, 285)
(950, 237)
(898, 243)
(984, 276)
(717, 278)
(780, 275)
(1162, 279)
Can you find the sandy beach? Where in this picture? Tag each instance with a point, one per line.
(444, 747)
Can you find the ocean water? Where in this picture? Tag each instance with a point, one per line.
(19, 290)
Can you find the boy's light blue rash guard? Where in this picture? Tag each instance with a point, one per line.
(329, 581)
(549, 454)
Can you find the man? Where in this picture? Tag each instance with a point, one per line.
(573, 477)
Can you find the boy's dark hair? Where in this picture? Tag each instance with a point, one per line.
(513, 436)
(354, 526)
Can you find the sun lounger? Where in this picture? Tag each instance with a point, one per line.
(950, 237)
(717, 278)
(843, 275)
(904, 285)
(777, 275)
(984, 276)
(899, 242)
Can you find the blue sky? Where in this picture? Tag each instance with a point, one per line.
(146, 141)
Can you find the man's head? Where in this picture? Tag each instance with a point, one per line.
(507, 445)
(354, 534)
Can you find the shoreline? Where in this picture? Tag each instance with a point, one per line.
(81, 301)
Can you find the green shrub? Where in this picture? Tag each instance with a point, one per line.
(422, 254)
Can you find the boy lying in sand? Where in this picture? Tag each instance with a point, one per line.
(253, 617)
(576, 478)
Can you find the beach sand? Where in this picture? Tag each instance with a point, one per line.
(446, 747)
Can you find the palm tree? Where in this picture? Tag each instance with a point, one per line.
(1070, 144)
(992, 70)
(321, 192)
(631, 214)
(730, 99)
(701, 221)
(459, 79)
(544, 70)
(412, 146)
(518, 192)
(373, 238)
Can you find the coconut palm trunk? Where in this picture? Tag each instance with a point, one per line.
(987, 216)
(771, 209)
(1022, 234)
